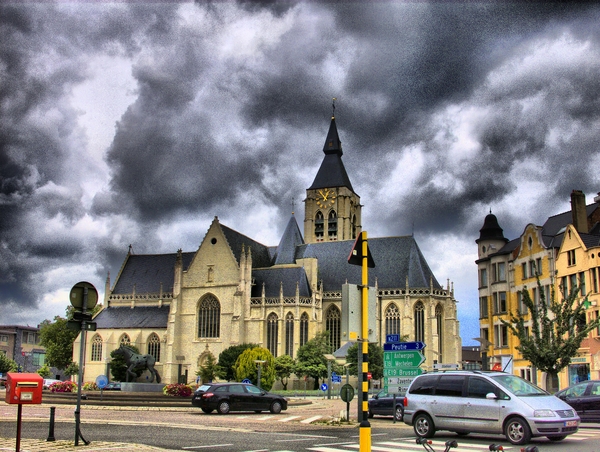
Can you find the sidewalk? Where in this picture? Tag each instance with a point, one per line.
(36, 445)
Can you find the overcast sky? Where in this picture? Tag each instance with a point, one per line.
(132, 123)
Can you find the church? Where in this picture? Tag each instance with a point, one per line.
(183, 306)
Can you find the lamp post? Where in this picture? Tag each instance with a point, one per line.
(259, 362)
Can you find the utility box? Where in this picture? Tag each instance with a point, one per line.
(352, 313)
(24, 388)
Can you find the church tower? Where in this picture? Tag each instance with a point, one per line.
(332, 209)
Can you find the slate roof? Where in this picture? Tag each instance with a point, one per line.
(291, 239)
(555, 225)
(332, 172)
(260, 252)
(395, 259)
(148, 271)
(274, 277)
(139, 317)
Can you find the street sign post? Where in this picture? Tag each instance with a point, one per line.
(399, 346)
(401, 361)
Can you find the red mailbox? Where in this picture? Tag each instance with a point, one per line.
(24, 389)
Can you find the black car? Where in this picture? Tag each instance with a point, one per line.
(585, 398)
(383, 404)
(226, 397)
(114, 386)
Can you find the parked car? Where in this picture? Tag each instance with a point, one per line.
(584, 397)
(2, 382)
(486, 402)
(113, 386)
(382, 404)
(49, 381)
(226, 397)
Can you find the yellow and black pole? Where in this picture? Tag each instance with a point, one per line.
(360, 255)
(365, 426)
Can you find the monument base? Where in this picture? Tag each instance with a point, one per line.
(142, 387)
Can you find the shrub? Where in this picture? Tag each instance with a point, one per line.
(177, 390)
(90, 386)
(63, 386)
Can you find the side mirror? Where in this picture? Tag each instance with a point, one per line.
(490, 395)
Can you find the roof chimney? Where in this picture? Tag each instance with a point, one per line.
(579, 211)
(597, 199)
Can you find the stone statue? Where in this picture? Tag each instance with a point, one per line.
(136, 361)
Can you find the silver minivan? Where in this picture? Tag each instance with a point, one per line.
(486, 402)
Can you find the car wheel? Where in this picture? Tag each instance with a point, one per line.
(223, 407)
(423, 426)
(207, 410)
(257, 411)
(276, 407)
(517, 431)
(371, 414)
(399, 413)
(556, 438)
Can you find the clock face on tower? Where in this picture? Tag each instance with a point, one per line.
(325, 198)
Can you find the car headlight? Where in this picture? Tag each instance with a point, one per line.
(544, 413)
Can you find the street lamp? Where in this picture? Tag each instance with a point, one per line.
(259, 362)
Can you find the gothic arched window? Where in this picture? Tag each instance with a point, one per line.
(154, 346)
(439, 318)
(272, 333)
(333, 325)
(289, 334)
(303, 329)
(419, 322)
(125, 340)
(319, 226)
(209, 317)
(332, 226)
(353, 226)
(392, 319)
(96, 348)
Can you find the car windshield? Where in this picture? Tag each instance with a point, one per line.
(518, 386)
(203, 388)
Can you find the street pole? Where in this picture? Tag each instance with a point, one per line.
(329, 379)
(80, 376)
(365, 426)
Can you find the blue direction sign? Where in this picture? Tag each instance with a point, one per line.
(398, 346)
(336, 379)
(392, 338)
(246, 381)
(398, 372)
(408, 358)
(324, 387)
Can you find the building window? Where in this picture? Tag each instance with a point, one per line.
(439, 318)
(485, 335)
(303, 329)
(3, 338)
(319, 226)
(29, 337)
(564, 287)
(125, 340)
(332, 226)
(538, 266)
(571, 257)
(524, 270)
(209, 317)
(483, 279)
(499, 271)
(501, 336)
(272, 333)
(96, 348)
(594, 279)
(392, 319)
(419, 322)
(483, 307)
(520, 304)
(38, 359)
(353, 226)
(333, 324)
(289, 334)
(582, 291)
(154, 346)
(499, 302)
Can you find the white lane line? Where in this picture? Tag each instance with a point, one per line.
(310, 419)
(287, 419)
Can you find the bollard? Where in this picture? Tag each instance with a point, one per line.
(51, 427)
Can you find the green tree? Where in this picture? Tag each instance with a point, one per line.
(118, 366)
(556, 332)
(57, 339)
(7, 364)
(246, 367)
(228, 357)
(310, 359)
(375, 360)
(209, 370)
(284, 368)
(44, 371)
(72, 369)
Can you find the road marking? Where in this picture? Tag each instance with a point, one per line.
(205, 447)
(310, 419)
(287, 419)
(264, 418)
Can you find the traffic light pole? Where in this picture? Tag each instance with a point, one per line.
(365, 426)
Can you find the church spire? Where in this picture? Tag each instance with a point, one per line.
(333, 145)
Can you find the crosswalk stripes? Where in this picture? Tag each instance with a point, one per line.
(310, 419)
(404, 445)
(288, 419)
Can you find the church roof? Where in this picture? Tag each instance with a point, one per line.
(147, 271)
(332, 172)
(126, 317)
(273, 278)
(292, 237)
(260, 252)
(396, 259)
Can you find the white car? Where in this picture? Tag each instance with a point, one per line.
(49, 381)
